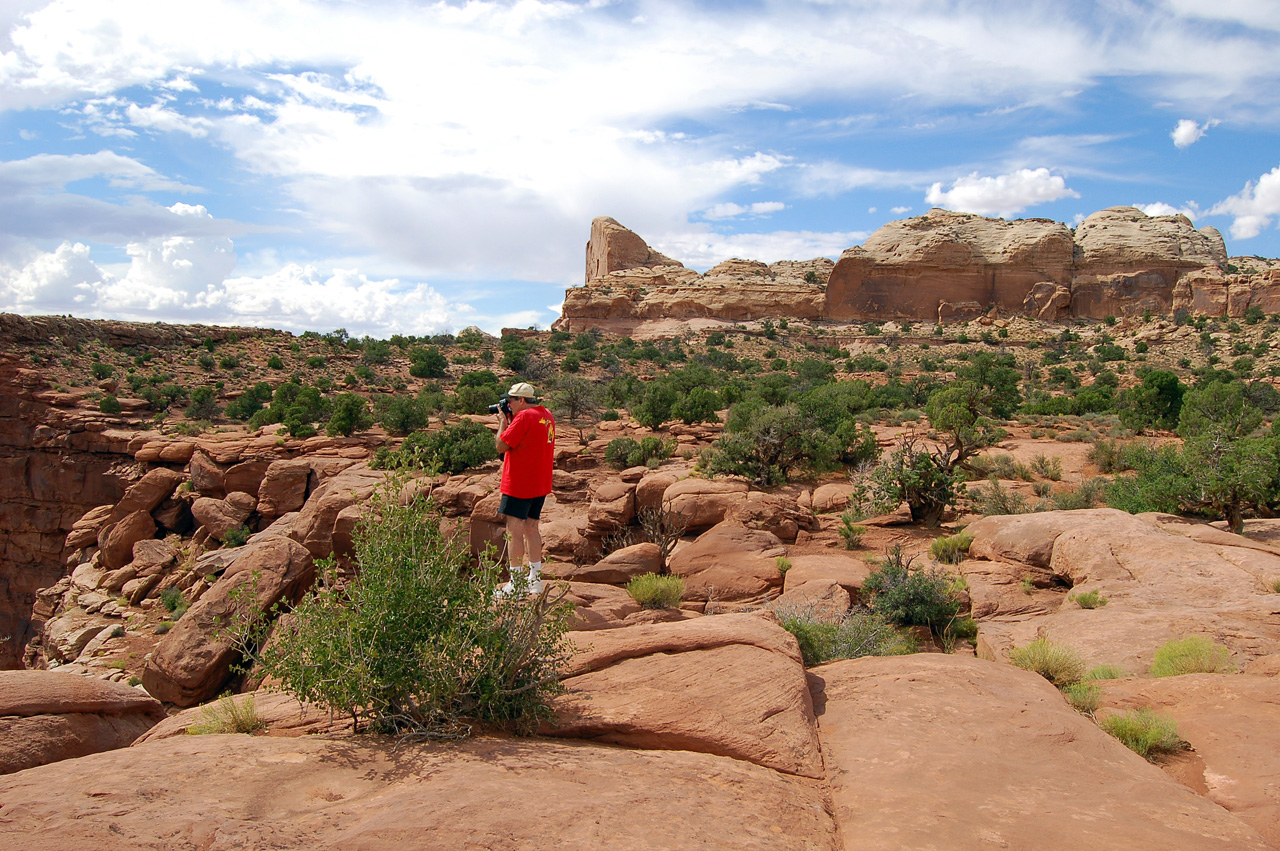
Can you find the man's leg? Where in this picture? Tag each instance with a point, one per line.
(533, 540)
(516, 543)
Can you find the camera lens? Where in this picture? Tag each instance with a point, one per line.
(493, 409)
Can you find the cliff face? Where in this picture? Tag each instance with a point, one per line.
(941, 266)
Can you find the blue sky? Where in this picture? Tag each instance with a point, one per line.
(393, 166)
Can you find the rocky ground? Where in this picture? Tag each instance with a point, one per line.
(689, 727)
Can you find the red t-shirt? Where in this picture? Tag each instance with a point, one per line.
(526, 468)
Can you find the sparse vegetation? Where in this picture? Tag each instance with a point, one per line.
(1057, 663)
(654, 591)
(849, 636)
(850, 531)
(951, 549)
(1089, 599)
(1144, 732)
(1195, 654)
(228, 714)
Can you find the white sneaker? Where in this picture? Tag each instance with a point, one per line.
(505, 591)
(535, 586)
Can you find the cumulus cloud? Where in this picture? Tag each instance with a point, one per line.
(703, 250)
(1253, 207)
(733, 211)
(1188, 131)
(1191, 210)
(898, 211)
(1002, 195)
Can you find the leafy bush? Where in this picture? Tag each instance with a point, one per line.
(770, 441)
(1083, 696)
(274, 362)
(624, 452)
(350, 413)
(249, 402)
(652, 591)
(427, 363)
(1192, 655)
(101, 370)
(452, 449)
(237, 536)
(951, 549)
(1144, 732)
(911, 597)
(418, 643)
(996, 499)
(1048, 468)
(1058, 664)
(230, 714)
(109, 404)
(849, 636)
(203, 404)
(400, 413)
(171, 599)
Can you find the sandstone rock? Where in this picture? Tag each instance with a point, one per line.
(283, 487)
(1232, 724)
(1160, 586)
(649, 490)
(613, 247)
(191, 664)
(822, 599)
(846, 571)
(773, 513)
(600, 606)
(67, 635)
(619, 566)
(116, 542)
(281, 714)
(729, 563)
(220, 516)
(500, 794)
(315, 523)
(146, 494)
(85, 531)
(47, 716)
(831, 497)
(702, 503)
(1036, 774)
(207, 477)
(612, 507)
(673, 698)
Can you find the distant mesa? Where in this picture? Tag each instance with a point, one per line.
(938, 267)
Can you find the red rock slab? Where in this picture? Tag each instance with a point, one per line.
(738, 700)
(365, 794)
(281, 714)
(1233, 725)
(847, 571)
(47, 716)
(729, 563)
(946, 752)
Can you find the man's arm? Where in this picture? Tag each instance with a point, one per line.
(503, 422)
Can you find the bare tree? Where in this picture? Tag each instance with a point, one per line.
(663, 527)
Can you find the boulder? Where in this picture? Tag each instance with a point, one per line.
(600, 606)
(283, 487)
(146, 493)
(613, 505)
(819, 598)
(729, 563)
(831, 497)
(844, 570)
(116, 542)
(372, 792)
(220, 516)
(673, 697)
(84, 532)
(619, 566)
(47, 716)
(193, 660)
(207, 476)
(613, 248)
(649, 490)
(1011, 765)
(314, 525)
(702, 503)
(246, 477)
(66, 635)
(774, 513)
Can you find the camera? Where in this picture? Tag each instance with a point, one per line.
(504, 405)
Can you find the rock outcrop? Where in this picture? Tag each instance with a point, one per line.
(938, 267)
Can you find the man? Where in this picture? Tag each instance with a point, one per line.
(528, 439)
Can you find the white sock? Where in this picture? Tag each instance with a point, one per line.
(535, 569)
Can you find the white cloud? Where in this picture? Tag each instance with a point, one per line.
(1002, 195)
(1253, 207)
(47, 171)
(59, 281)
(1188, 131)
(898, 211)
(703, 250)
(733, 211)
(1191, 210)
(159, 117)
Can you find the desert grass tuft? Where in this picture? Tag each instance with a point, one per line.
(1144, 732)
(228, 715)
(652, 591)
(1058, 664)
(1194, 654)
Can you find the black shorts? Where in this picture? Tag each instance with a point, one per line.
(521, 509)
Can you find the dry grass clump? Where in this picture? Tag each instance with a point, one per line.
(1194, 654)
(1058, 664)
(652, 591)
(951, 549)
(1144, 732)
(228, 715)
(846, 636)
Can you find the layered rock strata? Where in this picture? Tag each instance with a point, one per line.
(939, 267)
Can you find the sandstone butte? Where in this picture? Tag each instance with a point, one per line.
(938, 267)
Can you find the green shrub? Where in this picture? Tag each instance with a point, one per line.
(350, 414)
(230, 714)
(851, 532)
(400, 413)
(1104, 672)
(452, 449)
(418, 643)
(1089, 599)
(784, 564)
(652, 591)
(850, 636)
(951, 549)
(1058, 664)
(203, 404)
(274, 362)
(1192, 655)
(171, 599)
(109, 404)
(1144, 732)
(1083, 696)
(911, 597)
(102, 371)
(624, 452)
(236, 537)
(1048, 468)
(996, 499)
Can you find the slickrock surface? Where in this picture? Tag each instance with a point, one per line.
(1159, 586)
(938, 752)
(47, 716)
(491, 794)
(1232, 722)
